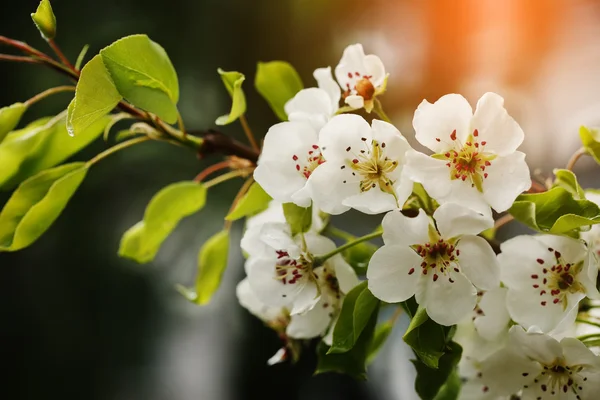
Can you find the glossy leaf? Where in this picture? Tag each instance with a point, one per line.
(567, 180)
(10, 117)
(254, 201)
(41, 145)
(45, 20)
(233, 83)
(212, 262)
(144, 75)
(95, 97)
(357, 308)
(299, 218)
(36, 204)
(169, 206)
(277, 82)
(591, 141)
(430, 381)
(353, 362)
(555, 211)
(382, 332)
(451, 389)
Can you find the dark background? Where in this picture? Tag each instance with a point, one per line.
(77, 322)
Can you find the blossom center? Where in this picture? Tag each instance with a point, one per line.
(439, 257)
(289, 270)
(330, 289)
(311, 160)
(373, 166)
(361, 85)
(558, 280)
(467, 161)
(559, 377)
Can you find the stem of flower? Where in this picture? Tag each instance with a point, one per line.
(336, 232)
(575, 157)
(243, 190)
(321, 259)
(228, 176)
(378, 108)
(49, 92)
(181, 125)
(212, 169)
(248, 132)
(60, 54)
(116, 148)
(503, 220)
(23, 59)
(585, 321)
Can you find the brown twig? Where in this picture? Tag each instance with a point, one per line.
(211, 170)
(215, 142)
(575, 157)
(60, 54)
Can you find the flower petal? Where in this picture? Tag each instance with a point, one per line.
(326, 82)
(373, 201)
(571, 250)
(576, 353)
(501, 132)
(251, 302)
(352, 61)
(389, 273)
(312, 105)
(478, 262)
(311, 324)
(453, 220)
(495, 318)
(401, 230)
(507, 178)
(431, 173)
(344, 273)
(449, 302)
(438, 120)
(269, 289)
(279, 357)
(506, 372)
(330, 185)
(536, 346)
(519, 261)
(375, 69)
(306, 299)
(341, 138)
(355, 101)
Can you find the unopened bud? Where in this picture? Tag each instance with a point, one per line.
(45, 20)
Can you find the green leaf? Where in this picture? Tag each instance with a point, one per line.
(95, 97)
(298, 218)
(382, 332)
(451, 389)
(169, 206)
(41, 145)
(10, 117)
(254, 201)
(144, 75)
(429, 382)
(555, 211)
(45, 20)
(352, 362)
(36, 204)
(81, 56)
(591, 141)
(212, 262)
(427, 339)
(233, 83)
(356, 311)
(277, 82)
(567, 180)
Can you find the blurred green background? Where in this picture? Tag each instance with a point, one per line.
(77, 322)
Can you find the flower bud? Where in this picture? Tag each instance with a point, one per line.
(45, 20)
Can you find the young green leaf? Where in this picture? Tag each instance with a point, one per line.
(169, 206)
(591, 141)
(430, 381)
(95, 97)
(356, 311)
(299, 219)
(45, 20)
(143, 74)
(233, 83)
(10, 117)
(254, 201)
(41, 145)
(555, 211)
(36, 204)
(353, 362)
(212, 262)
(277, 82)
(567, 180)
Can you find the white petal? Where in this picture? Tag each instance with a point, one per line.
(495, 318)
(588, 276)
(448, 302)
(576, 353)
(352, 61)
(433, 174)
(252, 245)
(518, 261)
(355, 101)
(438, 121)
(501, 132)
(279, 357)
(375, 69)
(478, 262)
(317, 244)
(326, 82)
(401, 230)
(344, 273)
(373, 201)
(389, 274)
(250, 302)
(341, 138)
(312, 105)
(312, 323)
(506, 372)
(537, 346)
(273, 213)
(571, 250)
(394, 145)
(330, 186)
(278, 237)
(277, 171)
(305, 299)
(269, 289)
(453, 220)
(507, 178)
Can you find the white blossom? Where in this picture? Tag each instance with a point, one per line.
(592, 237)
(547, 276)
(475, 162)
(441, 266)
(361, 77)
(363, 167)
(543, 368)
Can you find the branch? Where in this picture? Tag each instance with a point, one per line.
(215, 142)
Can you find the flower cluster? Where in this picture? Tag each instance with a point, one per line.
(515, 311)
